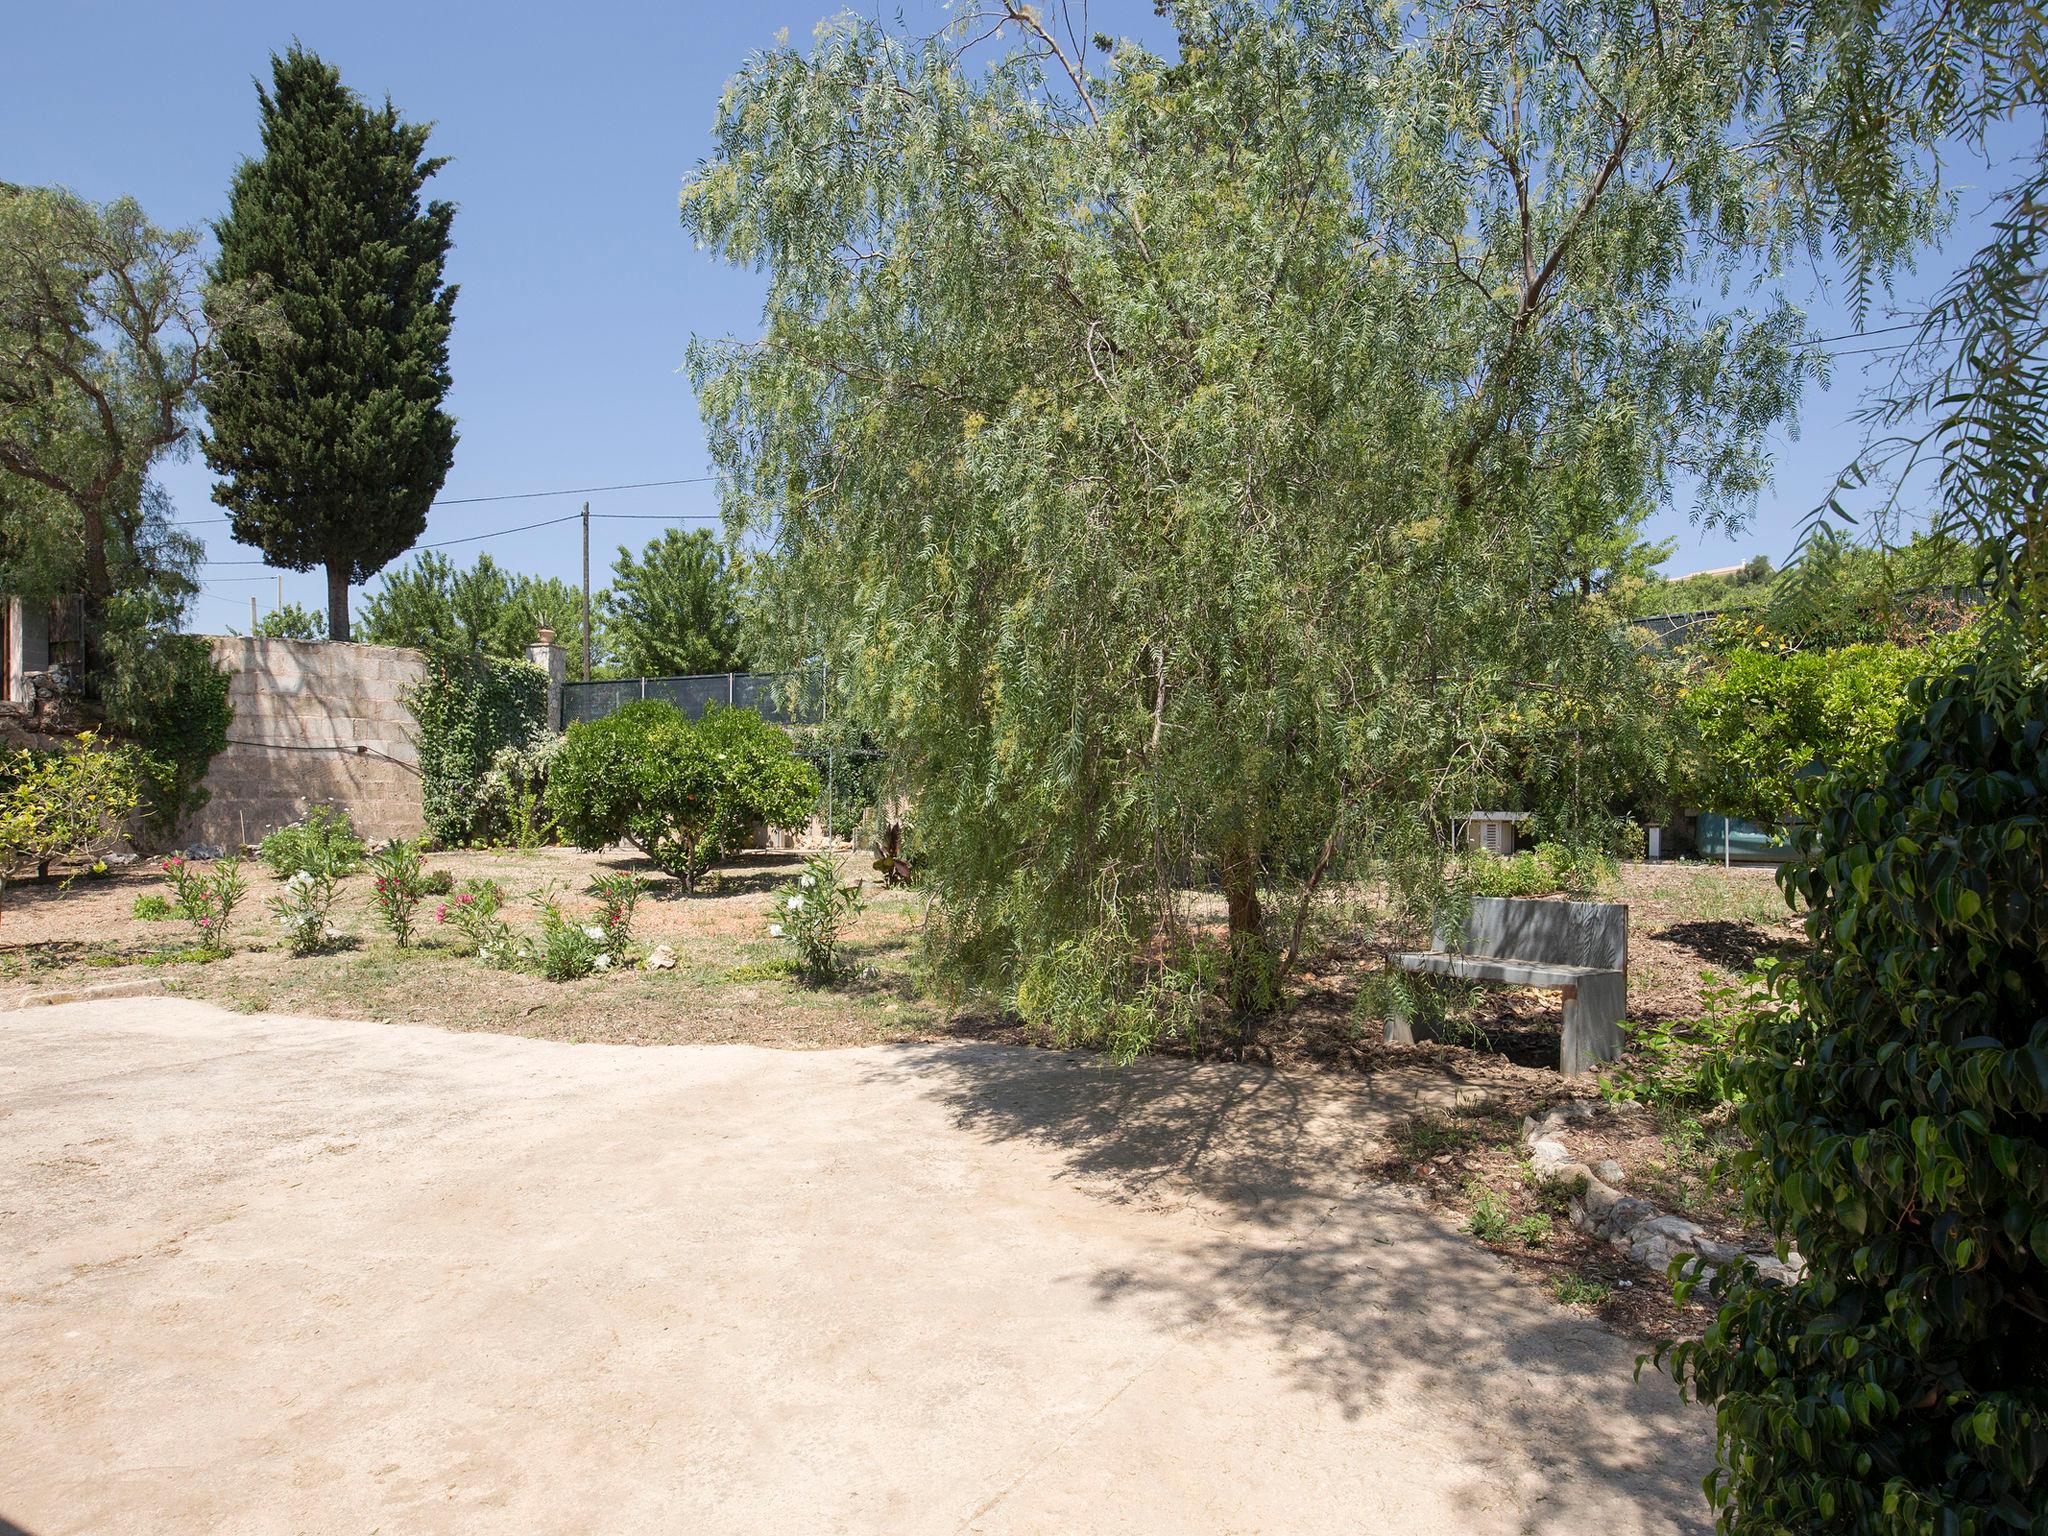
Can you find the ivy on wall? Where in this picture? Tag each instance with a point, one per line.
(469, 708)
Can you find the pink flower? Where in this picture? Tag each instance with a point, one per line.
(441, 913)
(206, 922)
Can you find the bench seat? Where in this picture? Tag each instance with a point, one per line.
(1505, 972)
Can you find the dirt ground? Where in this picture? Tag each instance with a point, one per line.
(1686, 922)
(278, 1273)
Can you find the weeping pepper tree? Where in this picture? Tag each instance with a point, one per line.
(1183, 463)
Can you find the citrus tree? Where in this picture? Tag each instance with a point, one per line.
(684, 793)
(63, 805)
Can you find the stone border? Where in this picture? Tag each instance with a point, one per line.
(50, 998)
(1649, 1236)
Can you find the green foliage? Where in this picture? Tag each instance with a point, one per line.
(163, 691)
(1543, 870)
(1895, 1098)
(469, 708)
(1769, 722)
(152, 908)
(103, 339)
(1688, 1065)
(302, 910)
(291, 622)
(811, 913)
(568, 950)
(1336, 362)
(435, 605)
(397, 886)
(512, 797)
(849, 763)
(672, 611)
(618, 892)
(682, 793)
(323, 841)
(332, 442)
(63, 806)
(1489, 1221)
(1578, 1291)
(208, 897)
(473, 911)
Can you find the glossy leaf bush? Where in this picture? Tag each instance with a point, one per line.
(1897, 1113)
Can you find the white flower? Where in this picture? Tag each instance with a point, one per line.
(593, 932)
(601, 963)
(775, 930)
(807, 882)
(796, 903)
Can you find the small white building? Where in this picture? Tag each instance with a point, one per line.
(1495, 831)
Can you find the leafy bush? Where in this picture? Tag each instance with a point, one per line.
(469, 708)
(152, 908)
(511, 800)
(207, 897)
(163, 691)
(811, 911)
(1545, 870)
(473, 912)
(683, 793)
(1896, 1102)
(617, 893)
(397, 886)
(1769, 722)
(437, 882)
(324, 840)
(64, 805)
(1688, 1065)
(302, 909)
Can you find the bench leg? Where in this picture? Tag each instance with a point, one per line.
(1402, 1027)
(1592, 1022)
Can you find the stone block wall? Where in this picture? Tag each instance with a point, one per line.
(316, 723)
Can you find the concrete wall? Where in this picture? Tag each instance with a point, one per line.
(316, 723)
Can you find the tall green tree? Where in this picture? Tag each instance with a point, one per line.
(482, 609)
(331, 445)
(673, 611)
(106, 334)
(1189, 463)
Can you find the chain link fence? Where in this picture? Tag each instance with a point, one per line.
(782, 698)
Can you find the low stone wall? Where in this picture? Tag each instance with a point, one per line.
(316, 723)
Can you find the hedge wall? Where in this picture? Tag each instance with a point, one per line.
(468, 707)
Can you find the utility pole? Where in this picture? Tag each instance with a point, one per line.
(586, 592)
(252, 613)
(280, 591)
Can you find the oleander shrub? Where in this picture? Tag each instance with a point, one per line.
(684, 793)
(1896, 1107)
(811, 913)
(398, 884)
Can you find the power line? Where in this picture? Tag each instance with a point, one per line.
(499, 533)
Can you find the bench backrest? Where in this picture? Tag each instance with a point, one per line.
(1589, 933)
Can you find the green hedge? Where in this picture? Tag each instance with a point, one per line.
(468, 708)
(1896, 1106)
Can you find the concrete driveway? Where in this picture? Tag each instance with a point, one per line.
(293, 1275)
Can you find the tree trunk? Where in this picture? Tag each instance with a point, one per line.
(1249, 978)
(337, 602)
(92, 608)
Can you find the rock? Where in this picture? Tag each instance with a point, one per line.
(660, 958)
(1546, 1155)
(1608, 1169)
(202, 851)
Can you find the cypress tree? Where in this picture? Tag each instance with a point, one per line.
(331, 446)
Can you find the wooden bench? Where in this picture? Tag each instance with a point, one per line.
(1579, 948)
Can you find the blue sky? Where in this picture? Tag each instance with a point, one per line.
(571, 129)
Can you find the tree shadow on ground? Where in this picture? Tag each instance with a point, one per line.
(1371, 1299)
(1734, 946)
